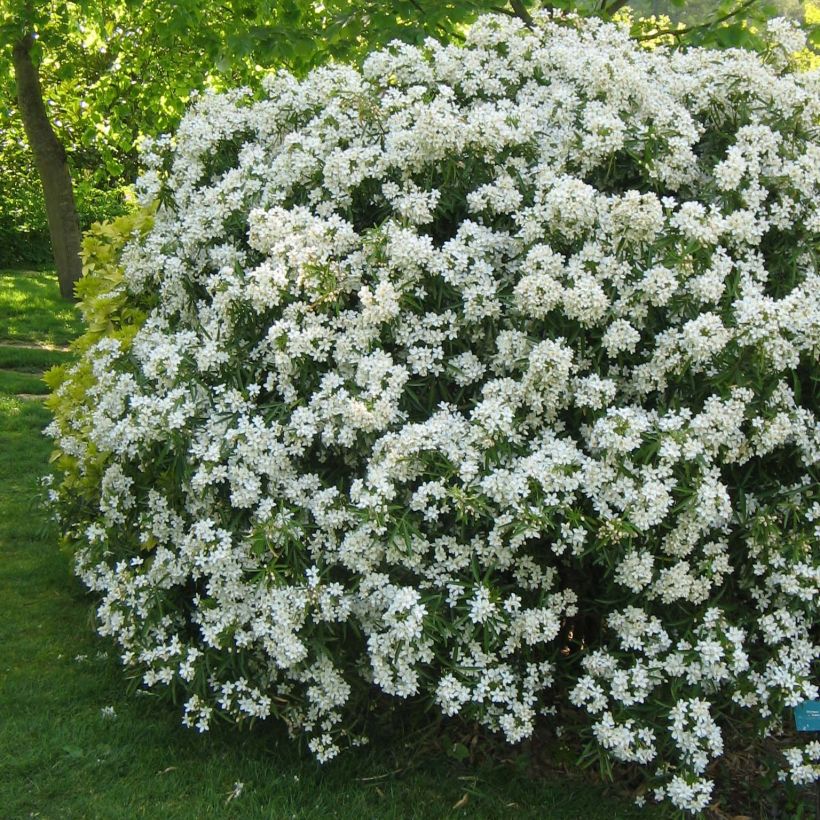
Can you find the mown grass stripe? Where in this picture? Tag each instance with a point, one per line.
(17, 358)
(33, 346)
(13, 381)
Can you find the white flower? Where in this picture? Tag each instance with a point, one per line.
(236, 791)
(786, 34)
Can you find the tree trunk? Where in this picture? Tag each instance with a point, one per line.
(50, 158)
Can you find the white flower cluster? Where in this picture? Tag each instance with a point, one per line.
(804, 764)
(487, 374)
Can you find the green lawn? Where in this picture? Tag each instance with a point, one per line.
(29, 359)
(20, 381)
(31, 310)
(62, 757)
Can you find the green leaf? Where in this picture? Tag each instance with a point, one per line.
(458, 751)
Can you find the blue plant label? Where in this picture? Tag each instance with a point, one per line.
(807, 716)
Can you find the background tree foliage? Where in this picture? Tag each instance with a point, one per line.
(115, 71)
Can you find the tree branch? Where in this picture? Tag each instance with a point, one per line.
(611, 8)
(520, 11)
(683, 31)
(441, 27)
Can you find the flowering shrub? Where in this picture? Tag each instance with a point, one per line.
(486, 375)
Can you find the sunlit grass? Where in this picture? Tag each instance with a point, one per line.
(31, 309)
(31, 359)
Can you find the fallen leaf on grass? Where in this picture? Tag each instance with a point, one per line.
(465, 799)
